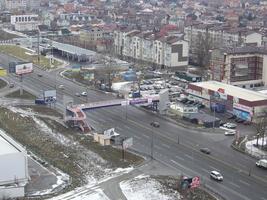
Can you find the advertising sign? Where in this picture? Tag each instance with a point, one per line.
(50, 93)
(138, 101)
(24, 68)
(3, 72)
(195, 182)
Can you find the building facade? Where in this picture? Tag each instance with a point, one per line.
(163, 51)
(25, 22)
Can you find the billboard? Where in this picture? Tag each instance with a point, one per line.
(23, 68)
(127, 143)
(50, 93)
(3, 72)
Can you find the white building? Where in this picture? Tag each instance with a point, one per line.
(16, 4)
(163, 51)
(25, 22)
(13, 168)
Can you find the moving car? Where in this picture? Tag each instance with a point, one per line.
(39, 75)
(205, 150)
(216, 175)
(84, 94)
(77, 94)
(262, 163)
(61, 87)
(11, 85)
(155, 124)
(230, 125)
(230, 132)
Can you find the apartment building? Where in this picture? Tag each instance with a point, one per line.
(16, 4)
(242, 66)
(161, 50)
(25, 22)
(219, 36)
(91, 34)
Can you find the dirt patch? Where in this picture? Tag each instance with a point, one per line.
(25, 95)
(43, 110)
(173, 184)
(2, 83)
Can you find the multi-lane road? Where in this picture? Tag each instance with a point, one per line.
(185, 157)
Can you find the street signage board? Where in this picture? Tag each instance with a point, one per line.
(195, 182)
(127, 143)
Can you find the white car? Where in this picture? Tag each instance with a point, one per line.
(230, 125)
(230, 132)
(216, 175)
(84, 94)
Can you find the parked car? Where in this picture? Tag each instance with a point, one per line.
(84, 94)
(238, 120)
(155, 124)
(205, 150)
(39, 75)
(232, 117)
(222, 123)
(247, 122)
(230, 132)
(216, 175)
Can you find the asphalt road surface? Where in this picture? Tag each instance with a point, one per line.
(185, 157)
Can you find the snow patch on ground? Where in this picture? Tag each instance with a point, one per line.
(143, 187)
(251, 149)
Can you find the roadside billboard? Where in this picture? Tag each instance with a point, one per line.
(24, 68)
(127, 143)
(3, 72)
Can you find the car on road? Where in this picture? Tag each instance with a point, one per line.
(216, 175)
(230, 125)
(84, 94)
(205, 150)
(230, 132)
(77, 94)
(39, 75)
(61, 87)
(262, 163)
(11, 85)
(155, 124)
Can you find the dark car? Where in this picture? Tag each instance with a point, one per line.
(222, 123)
(239, 120)
(155, 124)
(247, 122)
(232, 117)
(205, 150)
(39, 75)
(11, 85)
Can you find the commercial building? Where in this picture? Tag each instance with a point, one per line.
(241, 66)
(13, 168)
(245, 104)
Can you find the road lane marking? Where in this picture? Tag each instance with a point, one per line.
(146, 136)
(165, 145)
(244, 182)
(173, 161)
(138, 137)
(180, 158)
(234, 184)
(188, 156)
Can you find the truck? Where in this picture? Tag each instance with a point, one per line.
(262, 163)
(40, 101)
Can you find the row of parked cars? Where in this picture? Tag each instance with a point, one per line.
(238, 120)
(192, 103)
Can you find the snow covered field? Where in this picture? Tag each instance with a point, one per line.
(143, 187)
(256, 151)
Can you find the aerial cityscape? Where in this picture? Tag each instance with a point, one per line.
(133, 99)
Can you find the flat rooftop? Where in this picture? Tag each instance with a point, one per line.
(6, 147)
(234, 91)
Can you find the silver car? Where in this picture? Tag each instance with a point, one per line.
(216, 175)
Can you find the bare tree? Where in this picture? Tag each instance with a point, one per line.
(203, 45)
(261, 127)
